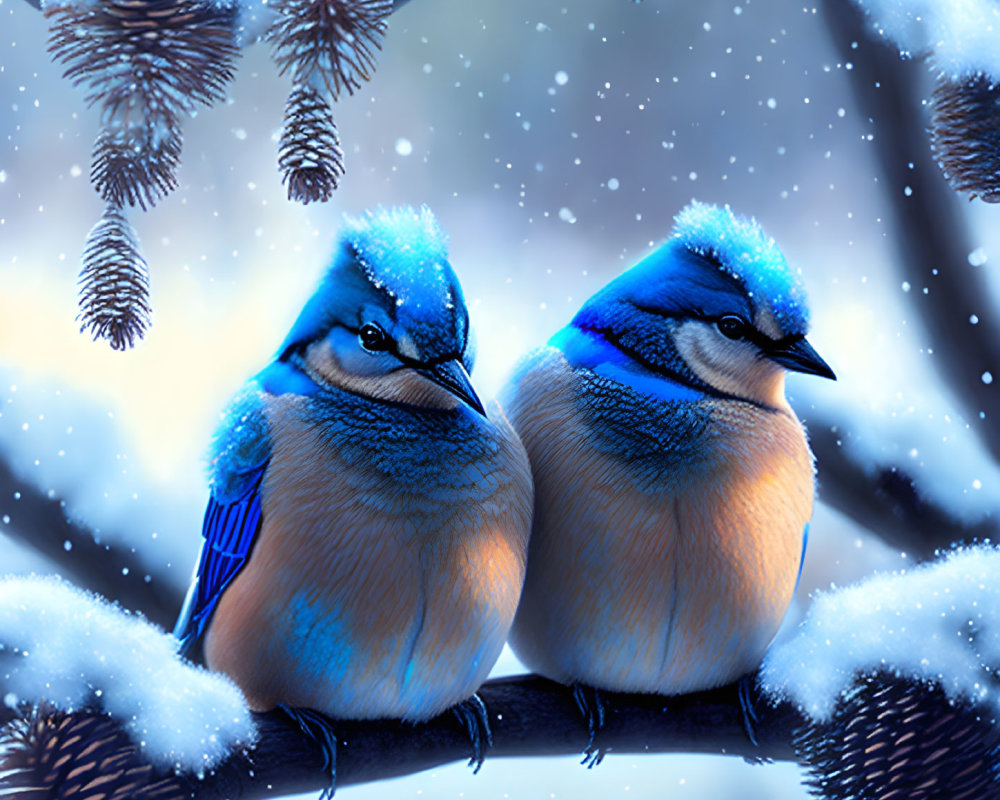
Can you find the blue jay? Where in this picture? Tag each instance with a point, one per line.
(673, 482)
(366, 535)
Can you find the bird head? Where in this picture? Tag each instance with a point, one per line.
(716, 307)
(388, 320)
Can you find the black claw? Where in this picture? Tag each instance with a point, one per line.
(745, 694)
(317, 727)
(474, 718)
(591, 706)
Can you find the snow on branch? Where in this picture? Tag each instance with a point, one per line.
(74, 651)
(961, 42)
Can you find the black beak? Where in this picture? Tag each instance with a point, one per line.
(452, 376)
(800, 357)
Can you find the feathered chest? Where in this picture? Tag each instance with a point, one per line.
(337, 458)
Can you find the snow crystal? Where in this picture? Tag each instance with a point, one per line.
(404, 147)
(960, 33)
(63, 645)
(938, 623)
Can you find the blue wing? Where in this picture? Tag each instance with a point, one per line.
(229, 530)
(241, 451)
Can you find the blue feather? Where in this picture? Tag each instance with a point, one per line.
(229, 531)
(588, 350)
(802, 558)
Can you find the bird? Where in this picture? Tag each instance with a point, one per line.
(366, 532)
(673, 482)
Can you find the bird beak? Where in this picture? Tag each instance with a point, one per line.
(801, 357)
(452, 376)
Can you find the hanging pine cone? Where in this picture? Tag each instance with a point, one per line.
(332, 39)
(136, 165)
(309, 154)
(114, 282)
(965, 135)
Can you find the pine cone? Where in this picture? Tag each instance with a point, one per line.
(332, 39)
(114, 294)
(965, 135)
(309, 154)
(83, 755)
(897, 739)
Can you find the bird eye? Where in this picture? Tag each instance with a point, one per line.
(373, 338)
(732, 327)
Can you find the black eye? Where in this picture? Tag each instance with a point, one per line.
(373, 338)
(732, 327)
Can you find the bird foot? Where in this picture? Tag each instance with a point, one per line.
(473, 716)
(318, 728)
(591, 706)
(745, 693)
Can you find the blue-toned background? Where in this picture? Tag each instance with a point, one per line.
(555, 140)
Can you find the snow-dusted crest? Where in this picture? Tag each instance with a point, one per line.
(74, 651)
(742, 248)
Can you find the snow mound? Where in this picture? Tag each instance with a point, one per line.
(938, 623)
(76, 650)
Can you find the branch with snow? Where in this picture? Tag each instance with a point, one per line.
(888, 690)
(74, 651)
(930, 230)
(40, 521)
(961, 42)
(884, 498)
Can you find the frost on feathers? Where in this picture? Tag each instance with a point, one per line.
(938, 623)
(69, 648)
(403, 242)
(752, 257)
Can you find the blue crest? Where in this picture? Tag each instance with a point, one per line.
(397, 260)
(741, 249)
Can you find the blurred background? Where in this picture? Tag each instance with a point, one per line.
(555, 141)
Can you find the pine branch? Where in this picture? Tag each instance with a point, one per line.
(332, 41)
(139, 56)
(137, 164)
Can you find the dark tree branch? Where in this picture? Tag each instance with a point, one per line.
(529, 716)
(889, 737)
(118, 574)
(931, 234)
